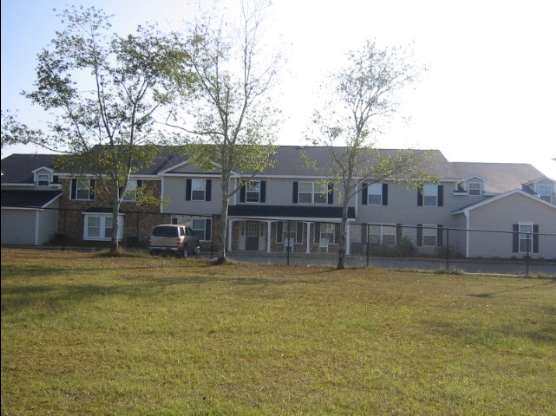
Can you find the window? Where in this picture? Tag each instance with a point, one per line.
(82, 189)
(253, 191)
(430, 233)
(327, 232)
(313, 193)
(43, 179)
(382, 234)
(99, 227)
(202, 227)
(198, 189)
(375, 194)
(289, 229)
(545, 192)
(474, 188)
(131, 190)
(431, 196)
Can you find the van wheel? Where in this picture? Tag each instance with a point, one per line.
(185, 252)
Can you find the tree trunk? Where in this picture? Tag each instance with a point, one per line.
(342, 247)
(115, 224)
(221, 244)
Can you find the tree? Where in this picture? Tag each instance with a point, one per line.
(103, 91)
(363, 96)
(233, 119)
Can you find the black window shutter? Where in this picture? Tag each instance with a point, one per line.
(188, 190)
(208, 190)
(279, 231)
(439, 235)
(139, 183)
(535, 238)
(364, 193)
(263, 191)
(515, 238)
(440, 195)
(242, 193)
(299, 235)
(419, 198)
(384, 194)
(330, 193)
(295, 192)
(208, 229)
(317, 232)
(92, 189)
(419, 234)
(73, 190)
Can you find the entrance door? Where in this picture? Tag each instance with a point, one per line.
(252, 240)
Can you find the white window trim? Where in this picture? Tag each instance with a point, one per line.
(102, 216)
(257, 191)
(198, 189)
(370, 194)
(525, 235)
(314, 192)
(88, 188)
(427, 189)
(480, 188)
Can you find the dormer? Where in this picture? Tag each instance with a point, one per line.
(472, 186)
(543, 188)
(44, 176)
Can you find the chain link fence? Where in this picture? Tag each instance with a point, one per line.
(396, 246)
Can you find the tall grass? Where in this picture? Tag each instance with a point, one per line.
(90, 334)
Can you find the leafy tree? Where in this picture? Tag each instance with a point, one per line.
(103, 91)
(363, 95)
(231, 123)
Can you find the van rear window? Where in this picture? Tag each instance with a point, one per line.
(165, 232)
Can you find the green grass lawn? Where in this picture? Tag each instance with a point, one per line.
(88, 334)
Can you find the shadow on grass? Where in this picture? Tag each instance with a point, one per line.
(492, 294)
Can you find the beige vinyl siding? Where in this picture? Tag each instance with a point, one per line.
(174, 193)
(48, 223)
(501, 215)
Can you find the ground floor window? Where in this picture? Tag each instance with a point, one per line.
(382, 234)
(99, 227)
(202, 227)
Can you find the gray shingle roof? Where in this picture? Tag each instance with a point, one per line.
(500, 177)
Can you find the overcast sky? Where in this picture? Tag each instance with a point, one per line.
(489, 96)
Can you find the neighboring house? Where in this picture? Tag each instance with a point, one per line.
(291, 204)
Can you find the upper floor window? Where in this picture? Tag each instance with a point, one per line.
(474, 188)
(43, 179)
(131, 190)
(253, 191)
(198, 190)
(82, 189)
(545, 191)
(312, 193)
(431, 196)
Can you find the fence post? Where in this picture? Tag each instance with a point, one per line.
(288, 243)
(447, 249)
(367, 243)
(529, 243)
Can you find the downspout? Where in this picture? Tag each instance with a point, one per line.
(37, 217)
